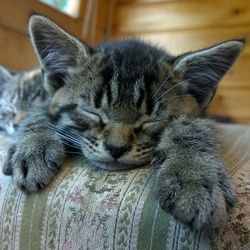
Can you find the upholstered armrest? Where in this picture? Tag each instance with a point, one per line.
(87, 208)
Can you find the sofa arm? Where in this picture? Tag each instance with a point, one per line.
(88, 208)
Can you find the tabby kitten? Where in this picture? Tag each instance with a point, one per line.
(124, 104)
(19, 92)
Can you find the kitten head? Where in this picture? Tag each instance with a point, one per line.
(113, 101)
(7, 109)
(17, 93)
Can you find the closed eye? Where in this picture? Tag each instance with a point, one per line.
(94, 117)
(91, 115)
(149, 124)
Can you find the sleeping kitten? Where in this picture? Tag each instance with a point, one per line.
(124, 104)
(18, 93)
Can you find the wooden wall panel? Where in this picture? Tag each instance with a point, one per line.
(15, 15)
(238, 77)
(181, 41)
(100, 21)
(232, 103)
(16, 51)
(180, 15)
(145, 1)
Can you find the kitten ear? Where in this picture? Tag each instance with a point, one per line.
(59, 52)
(202, 70)
(56, 49)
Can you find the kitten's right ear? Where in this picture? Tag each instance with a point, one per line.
(59, 52)
(56, 49)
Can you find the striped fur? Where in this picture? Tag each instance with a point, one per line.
(19, 92)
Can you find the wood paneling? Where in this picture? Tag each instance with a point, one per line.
(15, 46)
(233, 103)
(100, 21)
(238, 77)
(136, 1)
(15, 15)
(181, 41)
(16, 50)
(180, 15)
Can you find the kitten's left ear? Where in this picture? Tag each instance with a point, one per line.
(201, 71)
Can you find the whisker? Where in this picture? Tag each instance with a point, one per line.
(66, 135)
(176, 85)
(71, 145)
(70, 139)
(73, 152)
(178, 96)
(161, 85)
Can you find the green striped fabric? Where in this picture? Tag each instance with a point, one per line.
(87, 208)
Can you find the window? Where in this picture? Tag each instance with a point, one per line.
(69, 7)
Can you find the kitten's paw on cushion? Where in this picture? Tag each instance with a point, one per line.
(33, 168)
(200, 205)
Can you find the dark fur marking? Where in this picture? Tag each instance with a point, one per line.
(107, 74)
(24, 168)
(67, 107)
(54, 166)
(22, 187)
(149, 78)
(53, 118)
(8, 168)
(157, 134)
(141, 98)
(40, 186)
(57, 80)
(98, 98)
(109, 94)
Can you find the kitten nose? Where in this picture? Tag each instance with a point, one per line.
(115, 151)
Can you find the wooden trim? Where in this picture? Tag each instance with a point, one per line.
(98, 22)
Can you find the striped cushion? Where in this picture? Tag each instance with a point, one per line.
(86, 208)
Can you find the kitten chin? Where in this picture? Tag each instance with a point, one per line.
(116, 165)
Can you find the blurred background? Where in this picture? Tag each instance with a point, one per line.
(177, 25)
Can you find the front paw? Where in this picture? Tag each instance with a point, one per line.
(33, 166)
(197, 204)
